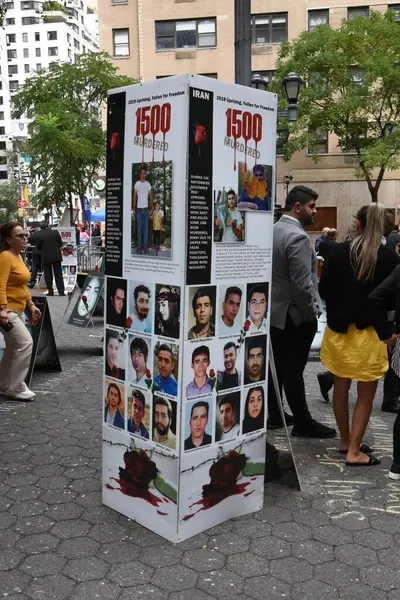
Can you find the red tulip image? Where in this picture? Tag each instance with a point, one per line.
(115, 141)
(148, 373)
(128, 323)
(200, 136)
(246, 325)
(84, 299)
(212, 373)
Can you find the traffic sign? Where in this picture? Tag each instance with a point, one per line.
(22, 203)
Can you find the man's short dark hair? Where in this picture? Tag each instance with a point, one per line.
(233, 290)
(258, 168)
(301, 194)
(229, 345)
(231, 399)
(163, 402)
(143, 168)
(254, 343)
(138, 395)
(112, 335)
(115, 284)
(258, 288)
(201, 404)
(115, 387)
(165, 348)
(201, 293)
(232, 193)
(201, 350)
(139, 344)
(141, 288)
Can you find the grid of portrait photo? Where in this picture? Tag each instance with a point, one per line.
(225, 364)
(142, 359)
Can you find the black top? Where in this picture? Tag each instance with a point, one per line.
(385, 298)
(189, 444)
(346, 298)
(49, 242)
(325, 246)
(228, 380)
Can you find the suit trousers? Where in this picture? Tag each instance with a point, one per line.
(396, 440)
(36, 264)
(391, 385)
(17, 355)
(48, 276)
(291, 347)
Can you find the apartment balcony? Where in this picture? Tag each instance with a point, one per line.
(54, 12)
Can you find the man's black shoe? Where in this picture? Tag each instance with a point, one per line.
(50, 294)
(325, 381)
(391, 407)
(313, 429)
(278, 424)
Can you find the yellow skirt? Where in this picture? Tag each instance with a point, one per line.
(358, 354)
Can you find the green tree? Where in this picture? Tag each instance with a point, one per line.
(66, 139)
(351, 89)
(9, 196)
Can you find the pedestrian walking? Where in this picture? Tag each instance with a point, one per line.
(49, 243)
(351, 348)
(14, 299)
(294, 309)
(386, 298)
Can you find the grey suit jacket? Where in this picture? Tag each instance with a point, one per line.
(294, 275)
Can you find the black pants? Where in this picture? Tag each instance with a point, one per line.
(291, 347)
(391, 385)
(156, 237)
(48, 276)
(36, 262)
(396, 440)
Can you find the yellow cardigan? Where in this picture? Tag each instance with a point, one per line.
(14, 277)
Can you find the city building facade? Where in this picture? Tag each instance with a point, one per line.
(148, 39)
(35, 36)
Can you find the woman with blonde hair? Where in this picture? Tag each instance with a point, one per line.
(14, 300)
(351, 348)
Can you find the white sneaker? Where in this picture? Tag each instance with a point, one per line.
(23, 395)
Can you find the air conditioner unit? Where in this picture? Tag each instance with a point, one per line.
(8, 43)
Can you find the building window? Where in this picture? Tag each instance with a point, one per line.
(3, 160)
(10, 21)
(358, 11)
(69, 53)
(26, 68)
(3, 146)
(29, 5)
(12, 70)
(52, 35)
(26, 52)
(317, 17)
(30, 20)
(396, 9)
(24, 37)
(2, 130)
(68, 38)
(119, 1)
(186, 34)
(269, 29)
(2, 115)
(11, 54)
(76, 44)
(357, 76)
(1, 100)
(1, 85)
(38, 67)
(11, 38)
(320, 145)
(13, 86)
(121, 42)
(37, 36)
(9, 5)
(37, 52)
(3, 174)
(53, 51)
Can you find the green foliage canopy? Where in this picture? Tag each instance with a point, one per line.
(351, 89)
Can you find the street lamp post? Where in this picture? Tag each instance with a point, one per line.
(291, 87)
(286, 182)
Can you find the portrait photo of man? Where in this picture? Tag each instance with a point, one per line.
(116, 302)
(255, 349)
(114, 357)
(140, 308)
(203, 303)
(139, 352)
(201, 383)
(255, 187)
(165, 364)
(199, 421)
(228, 322)
(227, 421)
(142, 208)
(137, 406)
(229, 220)
(164, 417)
(257, 305)
(114, 409)
(230, 377)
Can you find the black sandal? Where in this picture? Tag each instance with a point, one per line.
(363, 448)
(373, 461)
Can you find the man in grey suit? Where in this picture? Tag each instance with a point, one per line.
(295, 305)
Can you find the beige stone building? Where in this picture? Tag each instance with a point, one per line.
(157, 38)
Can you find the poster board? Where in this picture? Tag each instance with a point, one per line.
(189, 217)
(87, 300)
(44, 351)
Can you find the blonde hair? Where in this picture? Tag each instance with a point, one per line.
(364, 248)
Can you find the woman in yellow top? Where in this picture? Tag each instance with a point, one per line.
(14, 299)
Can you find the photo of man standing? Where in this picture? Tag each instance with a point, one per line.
(142, 207)
(230, 221)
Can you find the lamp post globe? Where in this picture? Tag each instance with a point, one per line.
(291, 86)
(258, 82)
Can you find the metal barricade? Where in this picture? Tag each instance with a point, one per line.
(90, 258)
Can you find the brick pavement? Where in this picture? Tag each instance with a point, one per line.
(338, 540)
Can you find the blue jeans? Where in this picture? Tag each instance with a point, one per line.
(142, 225)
